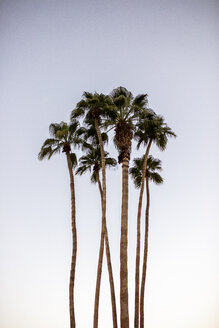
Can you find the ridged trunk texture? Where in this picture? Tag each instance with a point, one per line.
(144, 267)
(109, 265)
(104, 236)
(124, 311)
(137, 261)
(74, 249)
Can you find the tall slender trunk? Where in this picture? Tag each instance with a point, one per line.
(104, 235)
(109, 265)
(98, 281)
(144, 268)
(137, 261)
(74, 249)
(124, 311)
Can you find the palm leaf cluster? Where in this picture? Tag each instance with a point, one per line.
(92, 162)
(91, 121)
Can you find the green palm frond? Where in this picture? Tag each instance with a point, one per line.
(77, 113)
(136, 176)
(89, 138)
(155, 177)
(53, 128)
(141, 100)
(152, 127)
(50, 142)
(93, 177)
(73, 126)
(92, 106)
(48, 152)
(64, 136)
(153, 165)
(92, 162)
(121, 91)
(74, 162)
(110, 162)
(44, 152)
(82, 169)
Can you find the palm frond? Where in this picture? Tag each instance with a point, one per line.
(93, 177)
(155, 177)
(153, 165)
(44, 152)
(121, 91)
(140, 101)
(74, 162)
(82, 169)
(50, 142)
(77, 112)
(53, 128)
(73, 126)
(110, 162)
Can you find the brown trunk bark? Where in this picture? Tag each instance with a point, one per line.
(124, 311)
(144, 267)
(111, 280)
(99, 186)
(104, 235)
(98, 281)
(137, 261)
(74, 249)
(109, 265)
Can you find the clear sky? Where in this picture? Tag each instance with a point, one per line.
(52, 51)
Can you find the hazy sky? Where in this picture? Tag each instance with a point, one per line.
(52, 51)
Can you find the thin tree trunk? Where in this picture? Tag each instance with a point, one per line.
(137, 261)
(124, 311)
(74, 249)
(99, 185)
(98, 281)
(144, 268)
(103, 234)
(111, 280)
(109, 265)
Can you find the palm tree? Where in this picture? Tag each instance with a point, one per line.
(92, 162)
(150, 129)
(94, 107)
(122, 117)
(153, 165)
(62, 137)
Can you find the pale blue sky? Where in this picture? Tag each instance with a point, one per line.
(52, 51)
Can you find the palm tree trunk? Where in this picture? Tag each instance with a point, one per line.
(124, 311)
(144, 268)
(109, 265)
(104, 235)
(98, 281)
(137, 261)
(74, 249)
(99, 185)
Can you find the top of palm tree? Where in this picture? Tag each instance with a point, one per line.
(125, 107)
(62, 137)
(92, 162)
(123, 116)
(153, 165)
(153, 127)
(92, 106)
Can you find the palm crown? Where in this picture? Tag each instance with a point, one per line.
(92, 106)
(123, 116)
(63, 136)
(152, 127)
(153, 165)
(92, 162)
